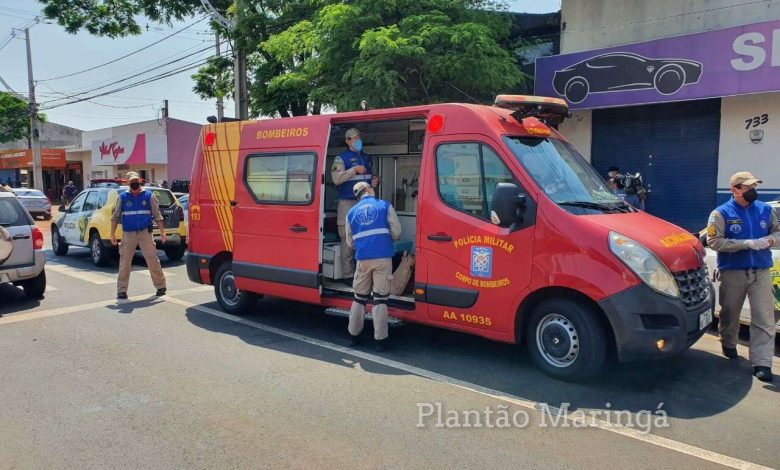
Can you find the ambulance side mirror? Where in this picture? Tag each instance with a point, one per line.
(508, 205)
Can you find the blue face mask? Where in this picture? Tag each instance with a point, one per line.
(358, 145)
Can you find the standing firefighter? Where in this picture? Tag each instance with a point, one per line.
(136, 210)
(371, 227)
(742, 231)
(351, 167)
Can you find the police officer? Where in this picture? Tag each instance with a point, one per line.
(349, 168)
(742, 231)
(136, 209)
(372, 225)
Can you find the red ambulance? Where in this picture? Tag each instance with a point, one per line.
(515, 237)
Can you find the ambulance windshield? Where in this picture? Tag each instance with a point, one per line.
(562, 173)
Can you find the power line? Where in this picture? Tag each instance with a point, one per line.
(126, 55)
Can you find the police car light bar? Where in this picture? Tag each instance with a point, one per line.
(551, 111)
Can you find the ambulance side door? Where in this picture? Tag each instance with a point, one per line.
(277, 224)
(473, 268)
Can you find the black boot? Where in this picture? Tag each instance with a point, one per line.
(730, 353)
(161, 292)
(763, 374)
(354, 340)
(381, 345)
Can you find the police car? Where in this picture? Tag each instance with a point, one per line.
(87, 223)
(711, 259)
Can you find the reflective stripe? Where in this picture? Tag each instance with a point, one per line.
(360, 178)
(369, 233)
(146, 212)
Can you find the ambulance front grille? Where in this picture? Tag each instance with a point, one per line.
(694, 286)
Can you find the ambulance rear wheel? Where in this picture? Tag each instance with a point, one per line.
(566, 340)
(231, 299)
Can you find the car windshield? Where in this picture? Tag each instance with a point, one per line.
(562, 173)
(12, 214)
(29, 193)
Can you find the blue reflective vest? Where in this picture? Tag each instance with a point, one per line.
(746, 223)
(352, 159)
(136, 211)
(370, 230)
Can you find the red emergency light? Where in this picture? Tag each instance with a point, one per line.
(550, 111)
(209, 138)
(436, 123)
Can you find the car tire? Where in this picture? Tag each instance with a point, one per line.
(35, 288)
(566, 340)
(175, 253)
(58, 244)
(232, 300)
(577, 90)
(669, 79)
(97, 252)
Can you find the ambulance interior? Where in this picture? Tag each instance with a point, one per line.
(395, 148)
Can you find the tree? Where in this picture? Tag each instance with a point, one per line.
(15, 118)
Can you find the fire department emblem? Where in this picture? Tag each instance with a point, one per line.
(129, 204)
(481, 261)
(143, 203)
(735, 229)
(763, 224)
(366, 214)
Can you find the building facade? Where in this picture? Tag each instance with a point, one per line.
(159, 150)
(685, 93)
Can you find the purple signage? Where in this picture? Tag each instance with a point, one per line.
(733, 61)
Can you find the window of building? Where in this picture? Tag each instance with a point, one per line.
(281, 179)
(467, 176)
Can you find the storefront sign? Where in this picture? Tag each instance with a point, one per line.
(16, 159)
(129, 150)
(727, 62)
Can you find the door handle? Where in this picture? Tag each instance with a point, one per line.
(298, 228)
(233, 203)
(21, 237)
(440, 237)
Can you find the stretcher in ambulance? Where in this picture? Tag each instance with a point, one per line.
(514, 236)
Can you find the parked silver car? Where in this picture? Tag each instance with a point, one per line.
(22, 258)
(36, 203)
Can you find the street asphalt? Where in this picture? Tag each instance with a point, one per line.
(173, 382)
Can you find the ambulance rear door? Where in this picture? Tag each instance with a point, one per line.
(277, 222)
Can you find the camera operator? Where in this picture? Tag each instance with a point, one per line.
(628, 187)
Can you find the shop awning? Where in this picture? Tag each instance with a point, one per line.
(22, 158)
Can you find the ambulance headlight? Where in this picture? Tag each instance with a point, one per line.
(644, 264)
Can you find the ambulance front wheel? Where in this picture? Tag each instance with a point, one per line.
(566, 340)
(231, 299)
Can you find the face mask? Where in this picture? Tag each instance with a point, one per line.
(358, 145)
(135, 186)
(750, 195)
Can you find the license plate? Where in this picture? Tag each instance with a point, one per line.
(705, 319)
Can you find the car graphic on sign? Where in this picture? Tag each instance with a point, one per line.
(620, 71)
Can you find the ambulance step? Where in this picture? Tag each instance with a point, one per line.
(340, 312)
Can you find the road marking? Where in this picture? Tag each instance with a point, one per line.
(631, 433)
(81, 274)
(16, 318)
(146, 272)
(51, 288)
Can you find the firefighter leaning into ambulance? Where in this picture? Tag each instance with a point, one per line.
(371, 226)
(742, 231)
(349, 168)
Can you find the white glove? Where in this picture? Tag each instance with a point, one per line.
(758, 244)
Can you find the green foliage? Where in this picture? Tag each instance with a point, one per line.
(306, 54)
(14, 118)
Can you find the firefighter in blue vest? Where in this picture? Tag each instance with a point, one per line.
(372, 225)
(349, 168)
(137, 209)
(742, 231)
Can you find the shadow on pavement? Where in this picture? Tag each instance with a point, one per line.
(13, 300)
(130, 306)
(692, 385)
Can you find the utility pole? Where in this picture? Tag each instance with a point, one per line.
(37, 181)
(220, 103)
(242, 108)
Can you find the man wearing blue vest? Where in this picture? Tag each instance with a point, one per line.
(372, 225)
(349, 168)
(136, 210)
(742, 231)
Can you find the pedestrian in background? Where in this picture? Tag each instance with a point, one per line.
(69, 192)
(136, 210)
(371, 227)
(742, 231)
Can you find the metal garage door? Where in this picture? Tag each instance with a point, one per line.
(675, 148)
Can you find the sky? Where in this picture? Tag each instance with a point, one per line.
(56, 53)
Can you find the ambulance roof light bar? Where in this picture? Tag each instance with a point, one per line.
(550, 111)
